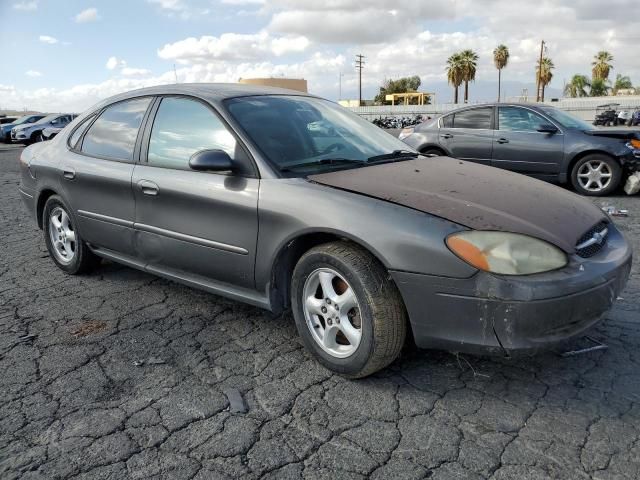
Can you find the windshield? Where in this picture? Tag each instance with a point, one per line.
(304, 135)
(21, 120)
(566, 119)
(48, 118)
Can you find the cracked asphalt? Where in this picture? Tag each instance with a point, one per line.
(119, 374)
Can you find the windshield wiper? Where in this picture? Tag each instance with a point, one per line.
(321, 161)
(395, 155)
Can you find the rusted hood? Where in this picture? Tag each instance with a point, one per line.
(476, 196)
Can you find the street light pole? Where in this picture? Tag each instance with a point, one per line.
(359, 67)
(340, 75)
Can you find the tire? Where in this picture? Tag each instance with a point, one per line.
(433, 151)
(377, 313)
(606, 165)
(40, 137)
(78, 259)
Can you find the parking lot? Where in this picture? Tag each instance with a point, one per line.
(120, 374)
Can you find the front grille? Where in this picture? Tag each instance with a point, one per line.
(593, 240)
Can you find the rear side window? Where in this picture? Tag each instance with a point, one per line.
(113, 134)
(183, 127)
(77, 133)
(477, 118)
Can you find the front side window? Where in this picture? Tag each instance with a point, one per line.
(447, 122)
(476, 118)
(183, 127)
(303, 135)
(113, 134)
(519, 119)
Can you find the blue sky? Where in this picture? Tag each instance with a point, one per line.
(58, 52)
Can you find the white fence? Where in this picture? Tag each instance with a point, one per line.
(584, 108)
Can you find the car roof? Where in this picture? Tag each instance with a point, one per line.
(215, 92)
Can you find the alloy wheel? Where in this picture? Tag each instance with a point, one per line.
(332, 312)
(62, 235)
(594, 175)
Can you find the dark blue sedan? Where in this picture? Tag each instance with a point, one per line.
(536, 140)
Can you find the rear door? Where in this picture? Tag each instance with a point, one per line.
(468, 134)
(192, 223)
(520, 147)
(96, 174)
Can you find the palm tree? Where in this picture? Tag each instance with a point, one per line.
(577, 87)
(621, 83)
(500, 59)
(454, 73)
(469, 63)
(543, 72)
(599, 88)
(601, 65)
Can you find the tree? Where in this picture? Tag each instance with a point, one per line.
(500, 59)
(401, 85)
(599, 88)
(454, 74)
(601, 65)
(469, 63)
(621, 83)
(577, 87)
(544, 73)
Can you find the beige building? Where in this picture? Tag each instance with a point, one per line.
(299, 84)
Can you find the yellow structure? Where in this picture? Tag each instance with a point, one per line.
(423, 97)
(299, 84)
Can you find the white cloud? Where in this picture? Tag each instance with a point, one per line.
(48, 39)
(232, 46)
(135, 72)
(88, 15)
(33, 73)
(114, 62)
(26, 6)
(243, 2)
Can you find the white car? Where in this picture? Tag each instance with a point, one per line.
(32, 132)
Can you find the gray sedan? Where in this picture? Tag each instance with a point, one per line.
(536, 140)
(287, 201)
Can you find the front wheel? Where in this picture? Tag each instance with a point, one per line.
(347, 310)
(596, 175)
(66, 247)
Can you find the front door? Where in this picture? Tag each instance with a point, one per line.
(468, 135)
(520, 147)
(191, 222)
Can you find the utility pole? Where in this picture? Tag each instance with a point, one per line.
(359, 67)
(340, 85)
(539, 83)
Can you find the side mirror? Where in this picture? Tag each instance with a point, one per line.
(211, 161)
(548, 128)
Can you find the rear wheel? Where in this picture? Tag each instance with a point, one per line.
(347, 310)
(596, 175)
(66, 247)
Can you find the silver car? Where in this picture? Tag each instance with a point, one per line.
(233, 189)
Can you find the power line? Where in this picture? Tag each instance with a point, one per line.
(359, 67)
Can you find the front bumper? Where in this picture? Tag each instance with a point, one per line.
(19, 135)
(506, 315)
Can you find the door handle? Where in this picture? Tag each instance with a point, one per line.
(68, 173)
(148, 188)
(502, 140)
(446, 135)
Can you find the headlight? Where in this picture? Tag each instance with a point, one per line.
(405, 133)
(634, 144)
(506, 253)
